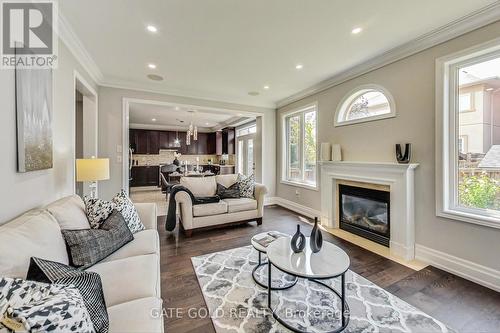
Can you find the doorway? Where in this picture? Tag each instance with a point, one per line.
(85, 126)
(246, 150)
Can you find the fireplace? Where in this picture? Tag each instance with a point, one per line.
(365, 212)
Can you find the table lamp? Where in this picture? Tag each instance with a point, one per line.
(92, 170)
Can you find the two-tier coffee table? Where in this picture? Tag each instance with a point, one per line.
(330, 262)
(262, 250)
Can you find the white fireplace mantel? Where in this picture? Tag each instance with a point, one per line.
(399, 178)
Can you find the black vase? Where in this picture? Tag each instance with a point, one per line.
(298, 242)
(403, 157)
(316, 239)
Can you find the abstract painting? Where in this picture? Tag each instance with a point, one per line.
(34, 119)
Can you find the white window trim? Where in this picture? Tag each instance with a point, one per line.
(447, 132)
(351, 95)
(284, 148)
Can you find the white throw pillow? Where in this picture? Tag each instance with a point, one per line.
(200, 186)
(69, 213)
(34, 233)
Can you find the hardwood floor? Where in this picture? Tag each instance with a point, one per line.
(460, 304)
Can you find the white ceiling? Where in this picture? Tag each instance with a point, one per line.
(173, 117)
(223, 49)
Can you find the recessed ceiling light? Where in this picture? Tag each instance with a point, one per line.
(154, 119)
(489, 89)
(152, 66)
(208, 124)
(151, 28)
(299, 66)
(155, 77)
(266, 87)
(239, 114)
(356, 30)
(176, 108)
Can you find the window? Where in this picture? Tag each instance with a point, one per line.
(246, 130)
(366, 103)
(299, 148)
(468, 174)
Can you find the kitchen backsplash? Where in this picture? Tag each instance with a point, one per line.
(167, 156)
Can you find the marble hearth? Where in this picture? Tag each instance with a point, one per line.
(397, 178)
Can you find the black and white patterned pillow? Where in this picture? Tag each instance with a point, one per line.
(247, 186)
(129, 212)
(41, 307)
(86, 247)
(88, 283)
(97, 210)
(232, 191)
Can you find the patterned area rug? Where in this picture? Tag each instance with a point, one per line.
(237, 304)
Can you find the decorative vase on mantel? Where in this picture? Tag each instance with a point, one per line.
(316, 239)
(298, 242)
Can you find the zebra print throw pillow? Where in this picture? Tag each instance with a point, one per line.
(39, 307)
(88, 283)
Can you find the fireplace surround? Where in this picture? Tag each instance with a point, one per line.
(398, 178)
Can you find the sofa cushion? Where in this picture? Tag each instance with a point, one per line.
(145, 242)
(226, 180)
(69, 212)
(139, 315)
(200, 186)
(34, 233)
(232, 191)
(215, 208)
(247, 186)
(129, 278)
(241, 204)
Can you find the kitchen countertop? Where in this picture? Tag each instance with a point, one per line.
(202, 164)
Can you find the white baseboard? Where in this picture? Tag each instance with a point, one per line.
(469, 270)
(298, 208)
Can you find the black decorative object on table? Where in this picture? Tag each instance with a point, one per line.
(298, 242)
(403, 158)
(316, 239)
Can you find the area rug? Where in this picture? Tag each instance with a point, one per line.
(237, 304)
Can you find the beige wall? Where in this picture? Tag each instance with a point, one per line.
(411, 82)
(110, 132)
(22, 191)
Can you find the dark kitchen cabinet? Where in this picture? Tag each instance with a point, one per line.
(164, 138)
(225, 141)
(218, 143)
(144, 141)
(138, 141)
(202, 144)
(145, 176)
(153, 142)
(192, 149)
(211, 144)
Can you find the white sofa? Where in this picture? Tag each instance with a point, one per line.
(130, 276)
(224, 212)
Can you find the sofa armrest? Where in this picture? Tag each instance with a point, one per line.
(185, 207)
(147, 214)
(259, 194)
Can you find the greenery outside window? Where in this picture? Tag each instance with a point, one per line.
(300, 141)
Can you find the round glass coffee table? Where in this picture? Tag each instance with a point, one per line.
(262, 250)
(330, 262)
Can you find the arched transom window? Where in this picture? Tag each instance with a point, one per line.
(365, 103)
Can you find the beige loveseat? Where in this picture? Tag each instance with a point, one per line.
(224, 212)
(130, 276)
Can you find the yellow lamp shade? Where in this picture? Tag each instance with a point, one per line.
(92, 169)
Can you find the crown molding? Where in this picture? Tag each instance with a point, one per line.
(76, 47)
(465, 24)
(130, 85)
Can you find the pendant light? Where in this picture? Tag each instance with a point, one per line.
(195, 133)
(188, 138)
(177, 142)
